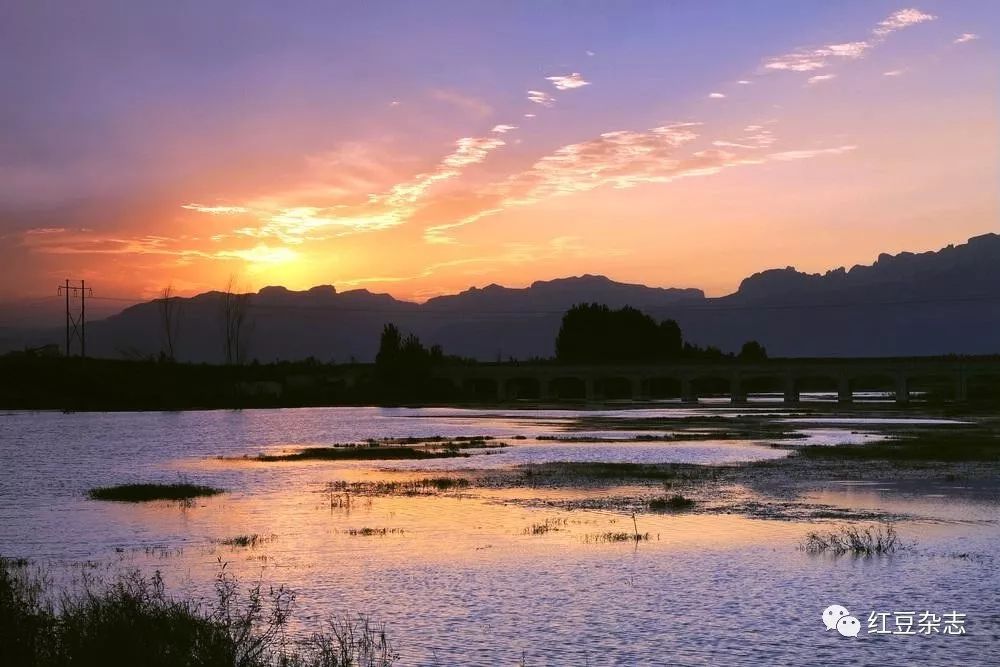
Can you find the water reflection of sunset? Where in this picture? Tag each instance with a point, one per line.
(473, 560)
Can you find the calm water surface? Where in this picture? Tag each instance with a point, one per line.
(460, 582)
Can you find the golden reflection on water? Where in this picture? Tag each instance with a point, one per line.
(450, 527)
(461, 575)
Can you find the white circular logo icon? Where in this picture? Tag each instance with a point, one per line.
(832, 614)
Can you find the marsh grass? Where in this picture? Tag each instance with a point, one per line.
(868, 541)
(675, 503)
(250, 541)
(459, 442)
(444, 483)
(615, 536)
(547, 526)
(369, 532)
(362, 453)
(571, 473)
(139, 493)
(426, 485)
(388, 449)
(946, 446)
(132, 621)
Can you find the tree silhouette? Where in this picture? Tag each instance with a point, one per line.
(593, 333)
(752, 351)
(389, 345)
(170, 321)
(403, 364)
(236, 324)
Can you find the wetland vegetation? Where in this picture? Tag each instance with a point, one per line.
(875, 540)
(139, 493)
(133, 621)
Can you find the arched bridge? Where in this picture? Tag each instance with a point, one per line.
(949, 377)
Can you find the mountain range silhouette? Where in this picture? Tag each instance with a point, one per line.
(909, 304)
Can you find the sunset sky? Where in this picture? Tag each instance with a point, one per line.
(419, 148)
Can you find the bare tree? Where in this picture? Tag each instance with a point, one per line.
(170, 320)
(236, 324)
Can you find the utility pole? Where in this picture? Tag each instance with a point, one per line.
(76, 323)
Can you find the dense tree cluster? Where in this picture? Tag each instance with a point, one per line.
(403, 365)
(594, 333)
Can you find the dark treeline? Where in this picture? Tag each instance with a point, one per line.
(406, 371)
(595, 334)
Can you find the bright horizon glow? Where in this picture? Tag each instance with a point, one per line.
(423, 150)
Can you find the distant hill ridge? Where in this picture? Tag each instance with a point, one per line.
(939, 302)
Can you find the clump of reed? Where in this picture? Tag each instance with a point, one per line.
(246, 540)
(132, 621)
(368, 532)
(547, 526)
(404, 488)
(674, 503)
(615, 536)
(361, 453)
(139, 493)
(950, 445)
(875, 540)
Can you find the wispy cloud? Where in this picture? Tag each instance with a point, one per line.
(787, 156)
(901, 19)
(744, 82)
(716, 96)
(893, 72)
(754, 137)
(625, 159)
(811, 59)
(820, 78)
(508, 253)
(216, 210)
(541, 97)
(44, 230)
(966, 37)
(182, 249)
(568, 81)
(295, 219)
(260, 254)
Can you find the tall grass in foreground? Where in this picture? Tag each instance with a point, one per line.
(133, 622)
(868, 541)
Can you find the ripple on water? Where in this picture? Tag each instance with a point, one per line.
(460, 581)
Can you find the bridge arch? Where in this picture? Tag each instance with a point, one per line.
(617, 387)
(979, 385)
(568, 387)
(522, 388)
(483, 388)
(660, 386)
(761, 382)
(867, 383)
(822, 381)
(712, 384)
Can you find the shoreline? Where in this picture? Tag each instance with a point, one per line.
(827, 406)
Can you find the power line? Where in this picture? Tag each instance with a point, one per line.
(76, 323)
